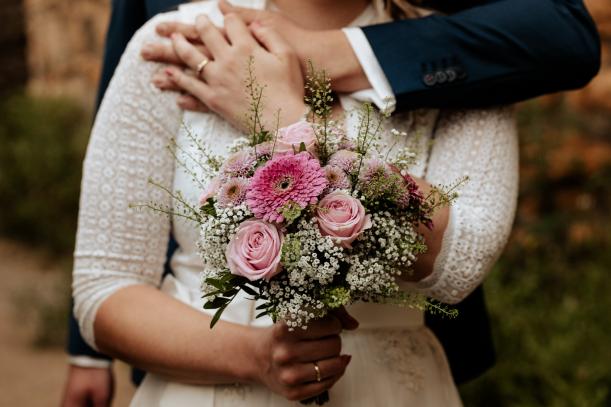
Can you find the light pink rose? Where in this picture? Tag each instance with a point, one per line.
(255, 250)
(342, 217)
(291, 137)
(211, 190)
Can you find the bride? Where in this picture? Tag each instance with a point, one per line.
(127, 309)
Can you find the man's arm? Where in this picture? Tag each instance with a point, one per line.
(503, 51)
(489, 52)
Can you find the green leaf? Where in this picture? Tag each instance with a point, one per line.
(217, 316)
(216, 283)
(212, 294)
(208, 207)
(248, 290)
(261, 314)
(302, 147)
(231, 292)
(216, 303)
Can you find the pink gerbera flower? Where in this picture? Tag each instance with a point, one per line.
(285, 181)
(239, 164)
(233, 192)
(264, 149)
(336, 178)
(345, 159)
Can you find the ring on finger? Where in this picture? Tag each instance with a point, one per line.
(201, 66)
(317, 370)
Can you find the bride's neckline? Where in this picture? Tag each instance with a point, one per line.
(369, 15)
(366, 17)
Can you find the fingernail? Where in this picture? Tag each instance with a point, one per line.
(169, 72)
(162, 28)
(347, 358)
(255, 25)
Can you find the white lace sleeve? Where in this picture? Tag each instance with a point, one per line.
(480, 144)
(117, 246)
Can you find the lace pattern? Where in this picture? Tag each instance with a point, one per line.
(482, 145)
(118, 245)
(404, 352)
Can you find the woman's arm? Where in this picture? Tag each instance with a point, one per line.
(116, 245)
(157, 333)
(120, 250)
(120, 253)
(482, 145)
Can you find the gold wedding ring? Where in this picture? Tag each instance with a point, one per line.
(201, 66)
(317, 369)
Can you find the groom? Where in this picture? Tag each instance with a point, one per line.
(483, 52)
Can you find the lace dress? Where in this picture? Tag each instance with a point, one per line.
(396, 360)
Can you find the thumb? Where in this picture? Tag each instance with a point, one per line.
(347, 320)
(270, 39)
(246, 14)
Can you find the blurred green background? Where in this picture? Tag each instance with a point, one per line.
(549, 295)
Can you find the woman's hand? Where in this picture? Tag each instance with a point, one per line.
(221, 87)
(287, 358)
(433, 237)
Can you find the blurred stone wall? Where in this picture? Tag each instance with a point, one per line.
(598, 93)
(65, 44)
(13, 67)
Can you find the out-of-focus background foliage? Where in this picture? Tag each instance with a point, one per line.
(549, 296)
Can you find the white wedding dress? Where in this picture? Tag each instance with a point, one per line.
(396, 360)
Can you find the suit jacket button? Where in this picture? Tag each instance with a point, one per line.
(452, 75)
(429, 79)
(441, 77)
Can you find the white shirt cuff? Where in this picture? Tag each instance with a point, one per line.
(380, 93)
(89, 362)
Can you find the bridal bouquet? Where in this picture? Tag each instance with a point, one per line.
(305, 219)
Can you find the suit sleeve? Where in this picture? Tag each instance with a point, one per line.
(127, 16)
(503, 51)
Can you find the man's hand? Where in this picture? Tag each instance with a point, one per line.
(87, 387)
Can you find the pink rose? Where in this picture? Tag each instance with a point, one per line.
(255, 250)
(291, 137)
(342, 217)
(210, 191)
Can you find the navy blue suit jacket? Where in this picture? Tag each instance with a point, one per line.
(482, 53)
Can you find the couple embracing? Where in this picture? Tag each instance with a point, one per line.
(450, 104)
